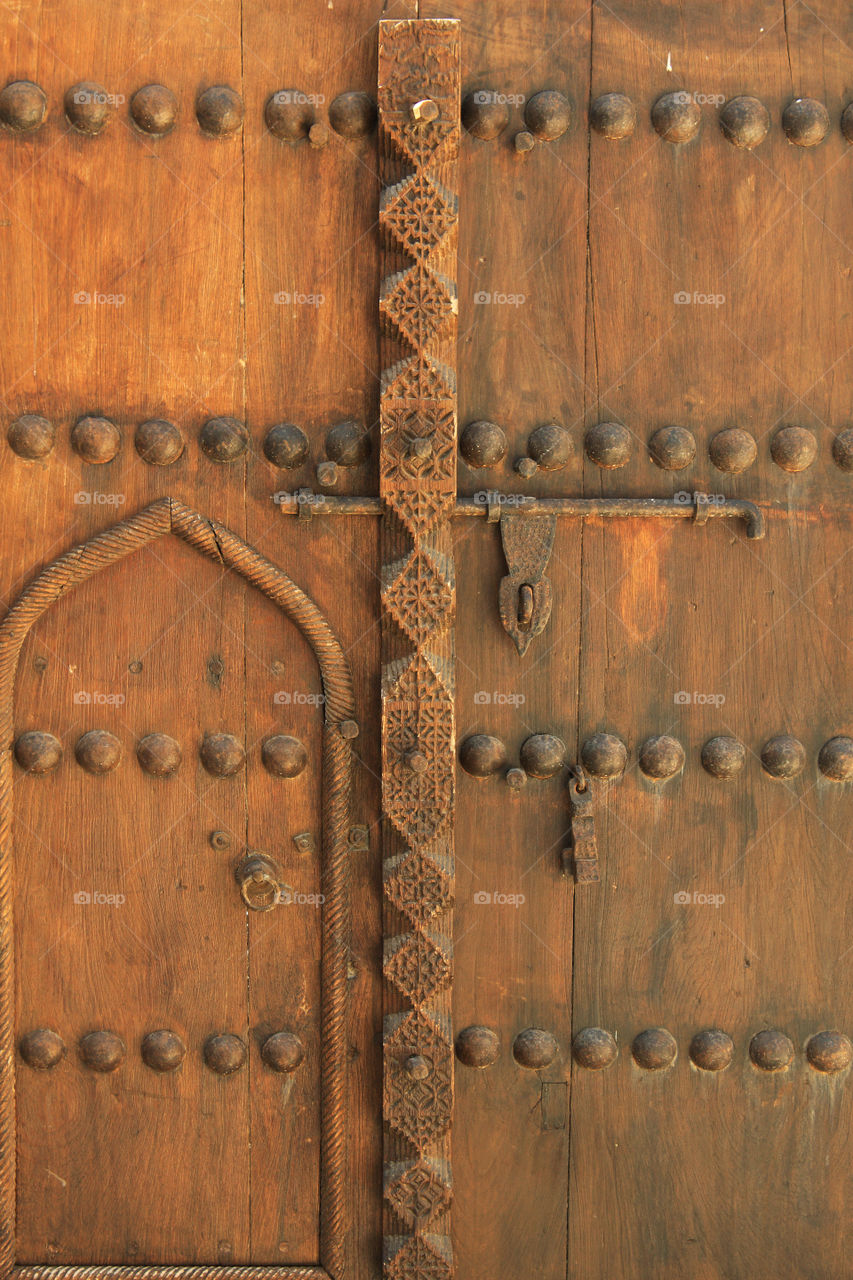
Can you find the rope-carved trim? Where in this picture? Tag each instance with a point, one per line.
(220, 544)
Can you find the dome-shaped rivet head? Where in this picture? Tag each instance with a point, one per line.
(224, 1054)
(829, 1051)
(654, 1049)
(23, 106)
(805, 122)
(420, 448)
(542, 755)
(87, 107)
(594, 1048)
(417, 1068)
(847, 122)
(613, 115)
(534, 1048)
(353, 114)
(102, 1050)
(318, 134)
(842, 450)
(477, 1046)
(328, 474)
(548, 114)
(98, 751)
(524, 141)
(711, 1050)
(526, 467)
(96, 440)
(676, 116)
(608, 445)
(220, 840)
(31, 436)
(835, 760)
(483, 444)
(515, 779)
(224, 439)
(485, 114)
(289, 115)
(771, 1050)
(41, 1049)
(732, 450)
(154, 110)
(604, 755)
(723, 757)
(482, 755)
(282, 1052)
(793, 448)
(348, 444)
(550, 446)
(37, 752)
(159, 755)
(783, 756)
(286, 446)
(416, 761)
(745, 122)
(158, 442)
(348, 729)
(163, 1050)
(219, 110)
(672, 448)
(661, 757)
(222, 754)
(284, 757)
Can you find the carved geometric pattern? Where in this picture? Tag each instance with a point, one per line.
(419, 509)
(405, 425)
(419, 1192)
(418, 593)
(418, 965)
(418, 378)
(418, 212)
(420, 884)
(418, 1108)
(423, 147)
(419, 804)
(419, 303)
(423, 675)
(426, 1257)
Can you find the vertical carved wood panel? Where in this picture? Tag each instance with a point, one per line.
(419, 142)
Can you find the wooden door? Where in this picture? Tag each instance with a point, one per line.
(427, 745)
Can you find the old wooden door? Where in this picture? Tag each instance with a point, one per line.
(427, 740)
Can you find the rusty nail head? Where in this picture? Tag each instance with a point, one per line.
(304, 842)
(425, 110)
(349, 728)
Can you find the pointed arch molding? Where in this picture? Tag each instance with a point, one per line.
(167, 516)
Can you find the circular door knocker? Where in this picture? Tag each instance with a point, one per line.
(261, 886)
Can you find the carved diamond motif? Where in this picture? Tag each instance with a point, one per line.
(424, 145)
(418, 592)
(418, 1108)
(420, 885)
(418, 1192)
(417, 965)
(418, 803)
(419, 378)
(418, 212)
(419, 303)
(426, 1257)
(419, 445)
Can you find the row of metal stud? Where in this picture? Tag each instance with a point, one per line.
(162, 1050)
(100, 752)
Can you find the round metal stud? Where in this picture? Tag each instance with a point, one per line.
(348, 444)
(41, 1049)
(31, 436)
(485, 114)
(424, 111)
(526, 467)
(608, 445)
(534, 1048)
(87, 107)
(96, 440)
(286, 446)
(835, 760)
(483, 444)
(417, 761)
(163, 1050)
(676, 116)
(224, 1054)
(478, 1046)
(548, 114)
(594, 1048)
(783, 756)
(771, 1050)
(550, 446)
(723, 757)
(102, 1050)
(842, 450)
(482, 755)
(37, 752)
(98, 751)
(542, 755)
(524, 141)
(284, 757)
(417, 1067)
(154, 110)
(711, 1050)
(222, 754)
(220, 840)
(159, 755)
(224, 439)
(282, 1051)
(613, 115)
(289, 115)
(732, 450)
(829, 1051)
(661, 757)
(328, 474)
(158, 442)
(219, 111)
(793, 448)
(515, 779)
(805, 122)
(672, 448)
(23, 106)
(604, 755)
(745, 122)
(654, 1049)
(353, 114)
